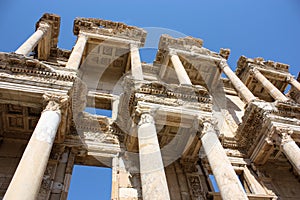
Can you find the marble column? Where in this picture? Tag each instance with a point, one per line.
(136, 65)
(34, 39)
(182, 75)
(272, 90)
(26, 182)
(294, 83)
(153, 178)
(291, 150)
(241, 88)
(229, 185)
(77, 52)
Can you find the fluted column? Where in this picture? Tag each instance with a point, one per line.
(136, 65)
(28, 177)
(182, 76)
(34, 39)
(236, 82)
(294, 83)
(77, 52)
(272, 90)
(226, 178)
(291, 150)
(153, 178)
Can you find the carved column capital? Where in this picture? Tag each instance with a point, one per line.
(289, 79)
(171, 52)
(144, 115)
(54, 102)
(83, 35)
(44, 26)
(284, 135)
(207, 127)
(222, 64)
(146, 118)
(253, 71)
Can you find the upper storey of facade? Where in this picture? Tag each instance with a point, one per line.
(107, 62)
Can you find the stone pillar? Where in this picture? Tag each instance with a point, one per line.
(272, 90)
(291, 150)
(136, 65)
(28, 177)
(182, 76)
(294, 83)
(33, 40)
(77, 52)
(245, 93)
(226, 178)
(153, 178)
(115, 107)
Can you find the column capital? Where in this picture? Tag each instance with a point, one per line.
(284, 135)
(83, 35)
(43, 26)
(54, 102)
(172, 52)
(133, 45)
(146, 118)
(253, 70)
(222, 64)
(290, 78)
(144, 114)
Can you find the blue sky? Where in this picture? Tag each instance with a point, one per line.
(256, 28)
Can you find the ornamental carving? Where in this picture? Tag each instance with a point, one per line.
(284, 135)
(196, 187)
(146, 118)
(55, 102)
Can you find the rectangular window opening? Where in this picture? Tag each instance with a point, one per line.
(243, 182)
(213, 183)
(98, 111)
(91, 183)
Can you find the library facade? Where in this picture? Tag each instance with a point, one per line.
(185, 127)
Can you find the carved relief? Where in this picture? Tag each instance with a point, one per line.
(196, 187)
(55, 102)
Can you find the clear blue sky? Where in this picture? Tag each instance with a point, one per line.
(256, 28)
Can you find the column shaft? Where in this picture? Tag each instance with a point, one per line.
(28, 177)
(180, 71)
(292, 152)
(76, 55)
(136, 65)
(226, 178)
(237, 83)
(153, 178)
(294, 83)
(33, 40)
(273, 91)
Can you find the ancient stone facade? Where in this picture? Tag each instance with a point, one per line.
(176, 124)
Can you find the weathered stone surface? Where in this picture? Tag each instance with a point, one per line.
(157, 141)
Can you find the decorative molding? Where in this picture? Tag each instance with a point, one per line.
(109, 28)
(146, 118)
(55, 102)
(19, 64)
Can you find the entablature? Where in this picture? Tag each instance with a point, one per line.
(109, 28)
(260, 124)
